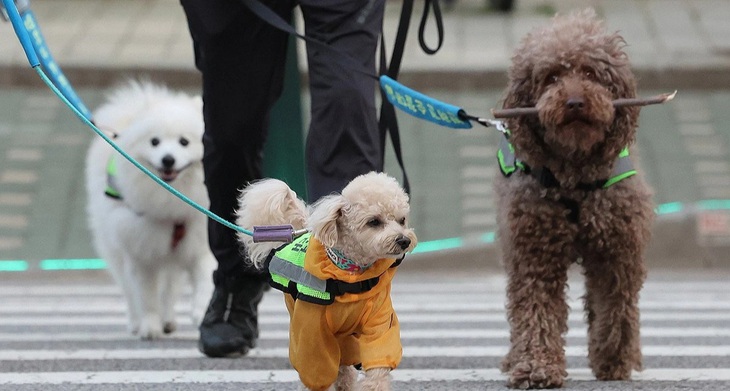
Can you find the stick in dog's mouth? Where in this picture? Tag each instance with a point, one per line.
(520, 111)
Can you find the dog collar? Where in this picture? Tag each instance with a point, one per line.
(342, 262)
(178, 233)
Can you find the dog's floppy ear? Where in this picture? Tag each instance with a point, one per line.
(323, 218)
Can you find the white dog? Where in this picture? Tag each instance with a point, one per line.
(146, 235)
(338, 278)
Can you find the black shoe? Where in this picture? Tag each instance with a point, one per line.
(230, 325)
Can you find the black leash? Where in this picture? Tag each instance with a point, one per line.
(388, 122)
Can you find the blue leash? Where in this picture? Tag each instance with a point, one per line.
(41, 55)
(34, 45)
(430, 109)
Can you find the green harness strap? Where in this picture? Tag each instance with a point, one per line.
(112, 190)
(508, 163)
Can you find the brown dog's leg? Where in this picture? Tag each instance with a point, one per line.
(538, 315)
(611, 304)
(615, 237)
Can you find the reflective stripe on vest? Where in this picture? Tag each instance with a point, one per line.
(286, 267)
(508, 162)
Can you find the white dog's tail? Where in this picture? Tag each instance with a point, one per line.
(268, 202)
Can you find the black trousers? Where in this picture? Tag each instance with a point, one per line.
(242, 60)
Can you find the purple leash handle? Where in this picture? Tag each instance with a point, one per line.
(276, 233)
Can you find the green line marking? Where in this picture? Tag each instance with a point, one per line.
(13, 266)
(437, 245)
(714, 204)
(72, 264)
(668, 208)
(489, 237)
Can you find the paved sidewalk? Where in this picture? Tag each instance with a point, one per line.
(675, 43)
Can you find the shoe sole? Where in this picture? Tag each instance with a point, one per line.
(215, 354)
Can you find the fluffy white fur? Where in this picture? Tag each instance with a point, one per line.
(134, 235)
(367, 222)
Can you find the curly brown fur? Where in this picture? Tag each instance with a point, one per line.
(571, 70)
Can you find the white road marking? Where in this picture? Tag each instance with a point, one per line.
(406, 333)
(415, 303)
(289, 376)
(402, 284)
(408, 351)
(116, 318)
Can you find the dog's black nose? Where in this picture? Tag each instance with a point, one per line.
(168, 161)
(403, 242)
(575, 103)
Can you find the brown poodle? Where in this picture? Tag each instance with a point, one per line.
(569, 194)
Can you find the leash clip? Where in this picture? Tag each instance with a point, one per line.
(21, 5)
(499, 125)
(493, 123)
(276, 233)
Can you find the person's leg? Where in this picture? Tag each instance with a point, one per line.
(343, 139)
(242, 63)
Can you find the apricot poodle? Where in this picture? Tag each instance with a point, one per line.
(569, 194)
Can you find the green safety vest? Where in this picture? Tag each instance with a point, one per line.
(286, 268)
(508, 163)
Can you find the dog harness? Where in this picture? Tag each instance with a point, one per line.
(508, 164)
(179, 230)
(287, 273)
(112, 190)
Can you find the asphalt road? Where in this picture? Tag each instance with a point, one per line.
(66, 331)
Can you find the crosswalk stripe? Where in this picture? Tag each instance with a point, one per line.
(118, 319)
(413, 305)
(408, 332)
(494, 285)
(290, 376)
(408, 351)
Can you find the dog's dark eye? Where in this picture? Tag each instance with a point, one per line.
(155, 141)
(552, 78)
(184, 142)
(402, 221)
(589, 73)
(374, 223)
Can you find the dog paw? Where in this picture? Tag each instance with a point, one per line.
(525, 375)
(133, 328)
(346, 378)
(376, 379)
(507, 364)
(169, 327)
(613, 371)
(150, 330)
